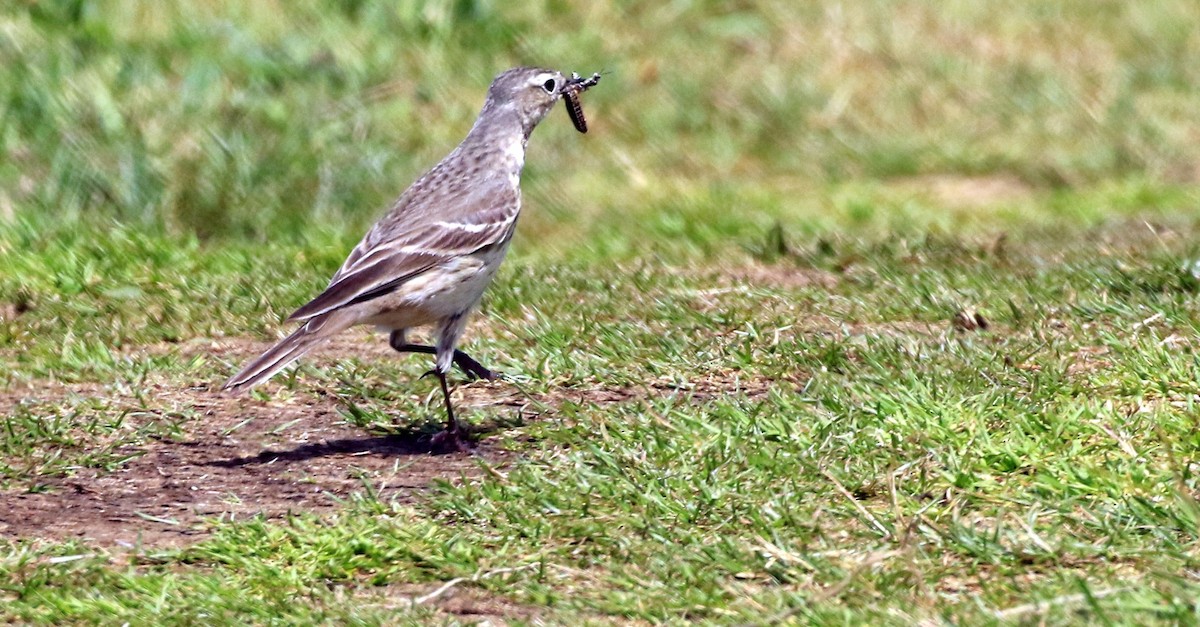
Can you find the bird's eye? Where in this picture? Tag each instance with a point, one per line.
(549, 86)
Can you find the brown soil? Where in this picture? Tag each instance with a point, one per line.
(287, 457)
(781, 276)
(292, 453)
(968, 192)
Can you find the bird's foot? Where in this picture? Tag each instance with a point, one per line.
(479, 372)
(472, 368)
(455, 440)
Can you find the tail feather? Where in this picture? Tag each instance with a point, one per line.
(281, 354)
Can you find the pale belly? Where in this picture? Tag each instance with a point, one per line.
(450, 289)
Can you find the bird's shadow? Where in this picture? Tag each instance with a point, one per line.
(395, 445)
(404, 442)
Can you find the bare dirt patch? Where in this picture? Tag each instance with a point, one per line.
(751, 276)
(453, 602)
(780, 275)
(968, 192)
(239, 457)
(243, 458)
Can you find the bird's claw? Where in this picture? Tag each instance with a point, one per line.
(451, 441)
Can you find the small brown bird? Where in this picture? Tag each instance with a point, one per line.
(429, 260)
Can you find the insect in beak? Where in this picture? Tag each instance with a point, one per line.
(570, 91)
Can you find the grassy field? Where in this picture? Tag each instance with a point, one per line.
(874, 312)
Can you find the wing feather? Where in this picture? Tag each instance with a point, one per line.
(412, 240)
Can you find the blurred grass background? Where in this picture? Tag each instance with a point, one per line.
(271, 119)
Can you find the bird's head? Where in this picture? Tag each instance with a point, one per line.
(531, 92)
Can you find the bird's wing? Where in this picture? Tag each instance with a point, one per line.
(418, 234)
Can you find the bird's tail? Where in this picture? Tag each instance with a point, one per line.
(284, 352)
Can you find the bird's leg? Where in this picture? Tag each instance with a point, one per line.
(469, 366)
(454, 437)
(473, 369)
(452, 426)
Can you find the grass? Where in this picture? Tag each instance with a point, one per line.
(187, 115)
(829, 450)
(733, 301)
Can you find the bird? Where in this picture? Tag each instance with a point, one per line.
(429, 259)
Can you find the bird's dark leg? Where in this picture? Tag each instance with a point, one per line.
(452, 425)
(454, 438)
(469, 366)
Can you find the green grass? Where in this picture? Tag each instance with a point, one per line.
(859, 461)
(732, 300)
(217, 118)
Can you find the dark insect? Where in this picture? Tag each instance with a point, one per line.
(575, 86)
(575, 110)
